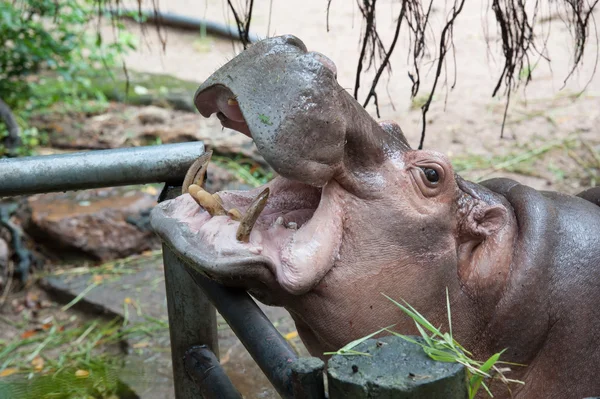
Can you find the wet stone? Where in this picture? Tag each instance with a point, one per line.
(101, 224)
(395, 369)
(153, 115)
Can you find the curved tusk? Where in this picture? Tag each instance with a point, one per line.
(196, 172)
(252, 214)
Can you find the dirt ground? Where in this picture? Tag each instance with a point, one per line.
(466, 123)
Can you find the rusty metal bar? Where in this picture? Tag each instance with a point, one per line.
(98, 168)
(204, 369)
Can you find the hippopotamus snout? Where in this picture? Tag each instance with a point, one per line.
(288, 100)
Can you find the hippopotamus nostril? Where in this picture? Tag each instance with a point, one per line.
(294, 41)
(326, 61)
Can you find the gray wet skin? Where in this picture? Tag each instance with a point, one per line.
(373, 216)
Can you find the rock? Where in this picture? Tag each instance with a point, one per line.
(395, 369)
(123, 126)
(102, 224)
(142, 282)
(153, 116)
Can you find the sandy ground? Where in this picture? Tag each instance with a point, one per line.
(468, 120)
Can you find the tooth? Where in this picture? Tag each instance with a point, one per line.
(279, 220)
(206, 200)
(255, 250)
(235, 214)
(218, 198)
(252, 214)
(232, 101)
(292, 225)
(196, 172)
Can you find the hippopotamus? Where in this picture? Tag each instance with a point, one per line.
(354, 212)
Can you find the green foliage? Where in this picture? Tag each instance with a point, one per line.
(57, 37)
(31, 138)
(244, 168)
(70, 360)
(348, 349)
(96, 378)
(75, 359)
(442, 347)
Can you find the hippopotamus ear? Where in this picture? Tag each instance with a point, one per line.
(485, 219)
(394, 130)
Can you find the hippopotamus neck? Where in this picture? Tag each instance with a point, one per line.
(538, 266)
(525, 279)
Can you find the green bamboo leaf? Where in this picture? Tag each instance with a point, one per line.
(491, 361)
(428, 340)
(356, 342)
(415, 315)
(405, 337)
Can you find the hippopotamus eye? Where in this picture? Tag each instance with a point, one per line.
(431, 175)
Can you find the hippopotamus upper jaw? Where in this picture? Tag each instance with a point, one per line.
(303, 123)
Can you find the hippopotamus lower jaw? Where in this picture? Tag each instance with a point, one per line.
(292, 244)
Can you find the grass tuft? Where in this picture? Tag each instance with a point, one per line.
(443, 347)
(71, 361)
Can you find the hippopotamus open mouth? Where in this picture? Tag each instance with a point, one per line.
(314, 135)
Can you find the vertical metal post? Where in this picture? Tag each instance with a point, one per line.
(307, 378)
(204, 368)
(192, 318)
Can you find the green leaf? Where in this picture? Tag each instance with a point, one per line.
(415, 316)
(348, 347)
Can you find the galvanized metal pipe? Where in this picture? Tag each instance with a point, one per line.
(99, 168)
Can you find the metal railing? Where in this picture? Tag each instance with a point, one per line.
(191, 297)
(99, 168)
